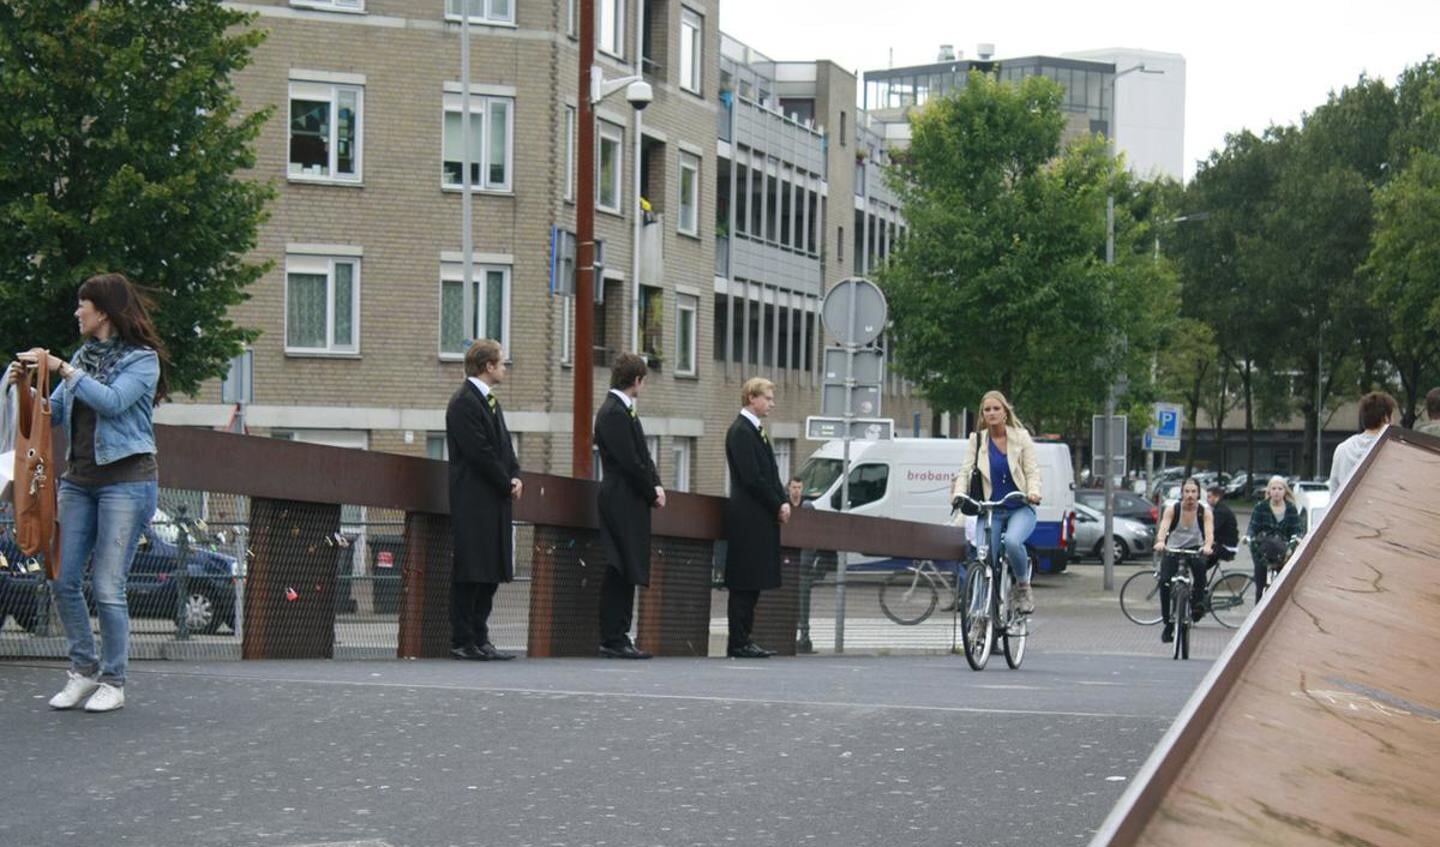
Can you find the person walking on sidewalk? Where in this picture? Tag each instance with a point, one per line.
(484, 483)
(629, 489)
(753, 514)
(108, 494)
(1007, 461)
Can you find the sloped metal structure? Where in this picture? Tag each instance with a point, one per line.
(1321, 723)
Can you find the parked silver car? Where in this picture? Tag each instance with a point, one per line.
(1131, 537)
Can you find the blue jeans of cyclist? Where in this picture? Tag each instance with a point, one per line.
(106, 522)
(1016, 524)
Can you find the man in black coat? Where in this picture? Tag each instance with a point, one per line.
(753, 515)
(1227, 534)
(629, 489)
(484, 481)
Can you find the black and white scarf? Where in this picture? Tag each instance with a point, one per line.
(100, 358)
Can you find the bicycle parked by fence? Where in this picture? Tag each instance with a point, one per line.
(985, 608)
(909, 596)
(1230, 593)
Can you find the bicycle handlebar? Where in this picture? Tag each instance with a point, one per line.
(1014, 496)
(1184, 551)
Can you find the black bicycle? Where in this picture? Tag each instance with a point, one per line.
(1180, 588)
(985, 606)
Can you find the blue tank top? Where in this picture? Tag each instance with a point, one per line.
(1001, 483)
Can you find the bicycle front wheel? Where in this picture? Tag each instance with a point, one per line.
(977, 625)
(1140, 598)
(1016, 631)
(909, 596)
(1180, 615)
(1232, 598)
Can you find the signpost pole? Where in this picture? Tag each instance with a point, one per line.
(841, 557)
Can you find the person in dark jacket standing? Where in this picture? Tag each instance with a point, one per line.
(753, 514)
(484, 482)
(629, 489)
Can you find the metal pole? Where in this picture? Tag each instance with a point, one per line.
(1319, 414)
(635, 183)
(581, 463)
(467, 198)
(182, 578)
(1107, 553)
(841, 557)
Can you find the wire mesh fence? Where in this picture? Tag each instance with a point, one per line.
(217, 577)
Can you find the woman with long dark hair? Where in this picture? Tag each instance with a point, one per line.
(105, 400)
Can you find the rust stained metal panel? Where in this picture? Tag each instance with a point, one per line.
(1321, 724)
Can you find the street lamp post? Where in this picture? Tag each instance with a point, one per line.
(1107, 551)
(593, 87)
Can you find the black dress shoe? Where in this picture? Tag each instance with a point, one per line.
(804, 647)
(469, 652)
(488, 653)
(763, 650)
(749, 651)
(1167, 634)
(622, 651)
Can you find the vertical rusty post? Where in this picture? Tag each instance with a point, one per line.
(290, 590)
(425, 587)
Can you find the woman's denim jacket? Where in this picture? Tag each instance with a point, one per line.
(123, 409)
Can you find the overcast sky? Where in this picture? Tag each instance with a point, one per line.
(1248, 64)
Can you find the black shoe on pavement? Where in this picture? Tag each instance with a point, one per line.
(804, 647)
(622, 651)
(468, 653)
(763, 650)
(748, 651)
(1167, 634)
(488, 653)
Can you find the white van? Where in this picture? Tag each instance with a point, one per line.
(909, 479)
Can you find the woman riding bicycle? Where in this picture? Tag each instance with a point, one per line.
(1274, 527)
(1186, 524)
(1007, 462)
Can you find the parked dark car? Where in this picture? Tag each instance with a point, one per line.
(150, 590)
(1127, 505)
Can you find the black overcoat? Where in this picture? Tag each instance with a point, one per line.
(627, 490)
(482, 463)
(752, 514)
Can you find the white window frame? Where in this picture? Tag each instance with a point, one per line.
(688, 162)
(571, 125)
(572, 17)
(615, 44)
(652, 446)
(784, 457)
(486, 16)
(692, 35)
(682, 453)
(325, 265)
(687, 304)
(454, 272)
(481, 105)
(329, 93)
(606, 131)
(567, 331)
(356, 6)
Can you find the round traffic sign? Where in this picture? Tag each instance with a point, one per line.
(854, 311)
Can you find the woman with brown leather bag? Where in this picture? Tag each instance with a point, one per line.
(105, 400)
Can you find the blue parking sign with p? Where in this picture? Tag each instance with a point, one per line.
(1167, 423)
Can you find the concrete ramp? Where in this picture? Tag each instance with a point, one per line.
(1321, 723)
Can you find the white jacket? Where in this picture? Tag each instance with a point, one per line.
(1348, 456)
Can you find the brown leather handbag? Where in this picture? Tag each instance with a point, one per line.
(36, 530)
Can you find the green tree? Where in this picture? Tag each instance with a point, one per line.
(1404, 263)
(1001, 281)
(1187, 368)
(120, 139)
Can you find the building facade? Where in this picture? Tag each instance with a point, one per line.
(716, 276)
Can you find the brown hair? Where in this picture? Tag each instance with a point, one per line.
(1375, 407)
(754, 387)
(629, 368)
(128, 309)
(481, 355)
(1432, 404)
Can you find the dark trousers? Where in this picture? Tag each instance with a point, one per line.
(1262, 573)
(742, 616)
(470, 604)
(1168, 567)
(617, 604)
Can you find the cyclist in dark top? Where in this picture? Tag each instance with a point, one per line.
(1227, 530)
(1274, 525)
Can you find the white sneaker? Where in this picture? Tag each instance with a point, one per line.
(107, 698)
(77, 688)
(1024, 600)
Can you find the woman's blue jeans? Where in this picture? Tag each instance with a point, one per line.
(1016, 524)
(105, 522)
